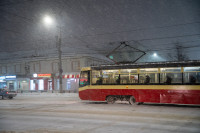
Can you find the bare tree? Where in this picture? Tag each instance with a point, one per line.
(180, 55)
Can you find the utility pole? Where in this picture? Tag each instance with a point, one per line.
(49, 21)
(60, 61)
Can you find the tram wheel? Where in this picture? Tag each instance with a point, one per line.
(132, 100)
(140, 103)
(110, 99)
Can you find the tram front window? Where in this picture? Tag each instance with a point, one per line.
(84, 78)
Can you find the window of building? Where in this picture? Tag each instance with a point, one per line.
(55, 67)
(89, 63)
(4, 69)
(18, 68)
(10, 69)
(76, 65)
(37, 67)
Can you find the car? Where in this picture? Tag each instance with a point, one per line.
(7, 94)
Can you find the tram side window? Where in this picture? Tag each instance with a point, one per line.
(148, 76)
(128, 76)
(84, 78)
(97, 77)
(171, 75)
(191, 75)
(110, 77)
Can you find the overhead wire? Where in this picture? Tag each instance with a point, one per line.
(158, 38)
(176, 42)
(9, 30)
(50, 39)
(166, 49)
(78, 38)
(14, 3)
(16, 15)
(132, 30)
(31, 20)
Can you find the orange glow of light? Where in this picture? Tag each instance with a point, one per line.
(44, 75)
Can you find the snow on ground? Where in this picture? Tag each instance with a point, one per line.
(55, 113)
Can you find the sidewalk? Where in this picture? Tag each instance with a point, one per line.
(49, 94)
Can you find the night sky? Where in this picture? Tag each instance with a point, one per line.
(96, 27)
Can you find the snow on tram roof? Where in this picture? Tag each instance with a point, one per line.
(149, 65)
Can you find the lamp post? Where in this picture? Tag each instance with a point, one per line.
(49, 21)
(60, 61)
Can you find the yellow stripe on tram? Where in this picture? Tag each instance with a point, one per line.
(151, 87)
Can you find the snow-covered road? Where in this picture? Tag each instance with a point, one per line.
(67, 113)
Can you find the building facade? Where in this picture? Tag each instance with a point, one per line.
(41, 74)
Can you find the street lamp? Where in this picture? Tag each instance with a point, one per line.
(48, 21)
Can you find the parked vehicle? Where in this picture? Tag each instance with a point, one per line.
(7, 94)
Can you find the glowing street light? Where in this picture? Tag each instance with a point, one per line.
(155, 55)
(48, 20)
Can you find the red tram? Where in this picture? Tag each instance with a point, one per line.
(160, 82)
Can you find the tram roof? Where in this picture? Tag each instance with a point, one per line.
(149, 65)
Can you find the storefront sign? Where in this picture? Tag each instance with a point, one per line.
(11, 77)
(71, 76)
(44, 75)
(35, 75)
(2, 78)
(41, 75)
